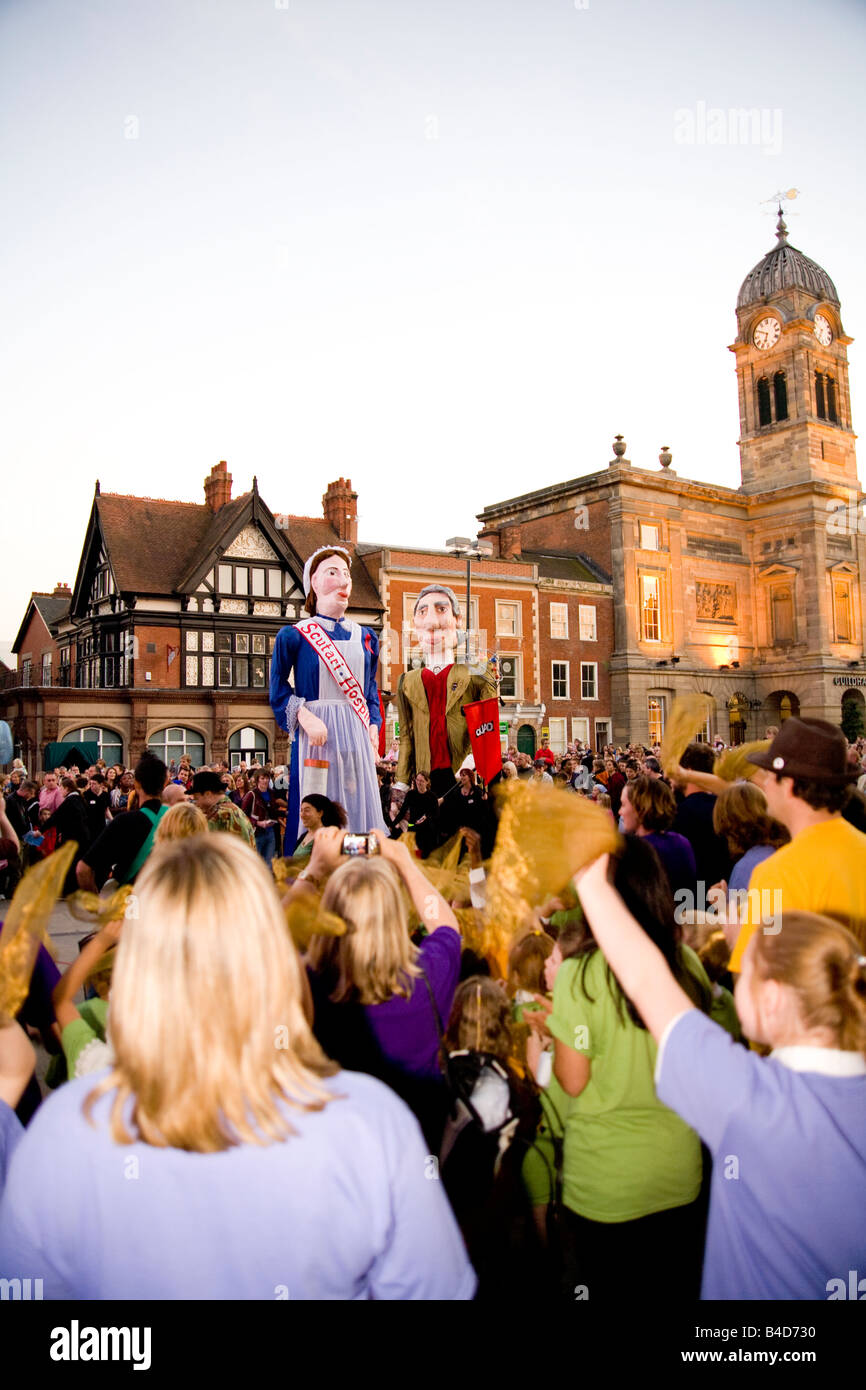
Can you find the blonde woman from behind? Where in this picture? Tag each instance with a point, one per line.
(223, 1156)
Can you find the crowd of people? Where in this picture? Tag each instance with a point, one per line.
(669, 1074)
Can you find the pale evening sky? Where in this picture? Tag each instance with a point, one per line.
(446, 248)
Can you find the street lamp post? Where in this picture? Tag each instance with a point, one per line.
(473, 550)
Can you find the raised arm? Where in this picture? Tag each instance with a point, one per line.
(430, 905)
(638, 964)
(73, 979)
(17, 1061)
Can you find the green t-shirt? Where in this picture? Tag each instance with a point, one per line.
(724, 1012)
(626, 1155)
(83, 1040)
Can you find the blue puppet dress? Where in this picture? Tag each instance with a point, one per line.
(352, 767)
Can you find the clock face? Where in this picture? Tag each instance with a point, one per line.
(766, 335)
(823, 331)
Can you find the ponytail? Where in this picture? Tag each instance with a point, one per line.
(825, 965)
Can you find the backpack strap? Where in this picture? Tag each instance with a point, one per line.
(440, 1031)
(154, 817)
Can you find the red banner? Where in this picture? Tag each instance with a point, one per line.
(482, 719)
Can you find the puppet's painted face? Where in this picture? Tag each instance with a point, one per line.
(436, 629)
(331, 582)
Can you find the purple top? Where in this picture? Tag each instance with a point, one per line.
(789, 1163)
(677, 856)
(406, 1029)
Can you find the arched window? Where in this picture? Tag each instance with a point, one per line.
(174, 742)
(248, 746)
(820, 404)
(764, 413)
(780, 392)
(109, 742)
(830, 388)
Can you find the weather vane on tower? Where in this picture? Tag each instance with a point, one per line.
(782, 196)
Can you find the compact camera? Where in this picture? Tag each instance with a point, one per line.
(360, 844)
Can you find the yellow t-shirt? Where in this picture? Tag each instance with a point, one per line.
(823, 869)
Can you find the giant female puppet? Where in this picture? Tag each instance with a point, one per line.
(331, 712)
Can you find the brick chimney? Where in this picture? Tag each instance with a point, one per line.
(218, 487)
(510, 545)
(62, 591)
(340, 505)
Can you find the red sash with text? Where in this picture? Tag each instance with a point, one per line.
(482, 721)
(321, 643)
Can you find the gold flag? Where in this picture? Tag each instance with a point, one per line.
(25, 927)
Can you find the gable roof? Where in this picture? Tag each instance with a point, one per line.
(51, 609)
(149, 541)
(156, 546)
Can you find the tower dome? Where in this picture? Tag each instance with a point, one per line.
(785, 268)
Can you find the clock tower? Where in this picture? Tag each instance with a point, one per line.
(792, 374)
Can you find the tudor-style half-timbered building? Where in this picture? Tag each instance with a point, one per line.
(166, 640)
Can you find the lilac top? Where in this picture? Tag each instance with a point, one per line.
(343, 1209)
(789, 1161)
(11, 1131)
(406, 1029)
(742, 870)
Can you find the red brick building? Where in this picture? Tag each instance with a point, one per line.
(530, 609)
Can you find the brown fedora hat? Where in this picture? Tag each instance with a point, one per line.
(811, 749)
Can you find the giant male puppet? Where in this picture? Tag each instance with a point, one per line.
(434, 738)
(331, 712)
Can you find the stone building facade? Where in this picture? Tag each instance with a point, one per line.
(750, 595)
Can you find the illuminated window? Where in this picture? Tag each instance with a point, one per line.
(656, 717)
(842, 611)
(650, 615)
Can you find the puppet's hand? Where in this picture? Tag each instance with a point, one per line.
(316, 731)
(373, 731)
